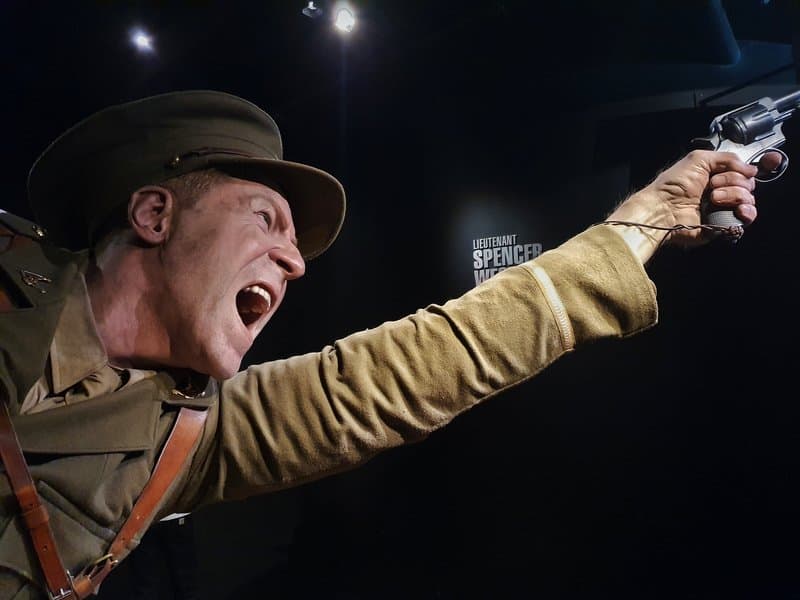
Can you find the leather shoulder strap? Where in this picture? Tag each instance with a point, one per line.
(33, 511)
(176, 451)
(60, 584)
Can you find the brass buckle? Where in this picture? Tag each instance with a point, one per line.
(98, 565)
(85, 584)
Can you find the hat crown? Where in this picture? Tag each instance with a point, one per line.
(88, 173)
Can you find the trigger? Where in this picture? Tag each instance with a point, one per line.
(772, 175)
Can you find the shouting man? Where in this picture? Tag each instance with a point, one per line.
(167, 230)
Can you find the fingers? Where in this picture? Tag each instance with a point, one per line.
(721, 162)
(733, 183)
(770, 162)
(747, 213)
(732, 196)
(731, 179)
(738, 198)
(733, 190)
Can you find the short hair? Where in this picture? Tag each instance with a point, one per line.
(187, 189)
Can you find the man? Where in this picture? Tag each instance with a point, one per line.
(173, 228)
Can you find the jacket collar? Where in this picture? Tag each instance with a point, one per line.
(76, 350)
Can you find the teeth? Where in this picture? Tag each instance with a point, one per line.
(257, 289)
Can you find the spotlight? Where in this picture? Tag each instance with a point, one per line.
(345, 20)
(142, 41)
(312, 11)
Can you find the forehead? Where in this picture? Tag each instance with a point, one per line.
(236, 192)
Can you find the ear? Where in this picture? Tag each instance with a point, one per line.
(151, 213)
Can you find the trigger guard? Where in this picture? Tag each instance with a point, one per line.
(763, 176)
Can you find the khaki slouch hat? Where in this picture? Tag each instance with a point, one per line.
(88, 173)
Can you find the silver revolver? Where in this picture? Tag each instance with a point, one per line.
(749, 131)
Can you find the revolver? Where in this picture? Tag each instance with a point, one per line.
(749, 131)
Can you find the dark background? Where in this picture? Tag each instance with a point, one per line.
(664, 466)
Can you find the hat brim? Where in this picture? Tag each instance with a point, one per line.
(316, 198)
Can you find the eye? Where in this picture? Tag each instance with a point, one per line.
(266, 217)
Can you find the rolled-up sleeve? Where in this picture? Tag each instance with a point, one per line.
(283, 423)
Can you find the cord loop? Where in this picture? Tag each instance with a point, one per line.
(732, 233)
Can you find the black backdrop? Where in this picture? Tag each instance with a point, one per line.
(664, 466)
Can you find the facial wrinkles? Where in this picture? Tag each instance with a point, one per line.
(268, 233)
(276, 232)
(221, 246)
(277, 208)
(281, 228)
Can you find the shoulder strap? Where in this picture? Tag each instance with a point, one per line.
(181, 440)
(176, 451)
(33, 511)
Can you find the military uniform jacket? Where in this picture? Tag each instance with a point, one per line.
(280, 423)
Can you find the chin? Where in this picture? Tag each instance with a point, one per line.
(217, 354)
(226, 371)
(221, 368)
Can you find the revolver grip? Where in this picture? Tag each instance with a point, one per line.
(719, 217)
(725, 217)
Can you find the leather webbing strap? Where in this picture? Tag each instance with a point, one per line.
(176, 451)
(33, 511)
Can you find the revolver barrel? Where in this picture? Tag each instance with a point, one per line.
(788, 102)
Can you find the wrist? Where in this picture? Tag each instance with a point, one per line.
(643, 222)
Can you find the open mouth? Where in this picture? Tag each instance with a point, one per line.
(252, 303)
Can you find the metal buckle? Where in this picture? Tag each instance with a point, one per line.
(98, 565)
(60, 595)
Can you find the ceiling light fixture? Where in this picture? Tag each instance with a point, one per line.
(312, 11)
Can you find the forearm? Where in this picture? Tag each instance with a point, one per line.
(287, 422)
(643, 222)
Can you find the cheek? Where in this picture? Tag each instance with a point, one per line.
(194, 276)
(215, 259)
(205, 269)
(245, 257)
(252, 242)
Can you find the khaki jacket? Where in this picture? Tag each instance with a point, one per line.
(285, 422)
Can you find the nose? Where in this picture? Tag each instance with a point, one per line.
(289, 259)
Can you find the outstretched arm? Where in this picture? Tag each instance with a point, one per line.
(286, 422)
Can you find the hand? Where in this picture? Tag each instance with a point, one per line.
(674, 198)
(721, 177)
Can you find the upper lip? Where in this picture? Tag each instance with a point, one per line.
(267, 287)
